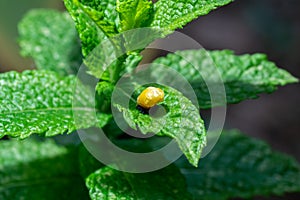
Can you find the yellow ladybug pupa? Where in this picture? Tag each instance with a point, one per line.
(150, 97)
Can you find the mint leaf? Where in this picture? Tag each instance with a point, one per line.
(181, 122)
(173, 14)
(32, 170)
(238, 166)
(95, 21)
(50, 38)
(244, 77)
(108, 183)
(131, 63)
(134, 13)
(104, 89)
(104, 50)
(106, 6)
(42, 102)
(96, 25)
(87, 162)
(242, 167)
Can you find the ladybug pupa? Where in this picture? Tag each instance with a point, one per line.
(150, 97)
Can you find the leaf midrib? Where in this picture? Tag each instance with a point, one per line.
(92, 19)
(32, 182)
(51, 109)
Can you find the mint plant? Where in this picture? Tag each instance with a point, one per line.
(42, 102)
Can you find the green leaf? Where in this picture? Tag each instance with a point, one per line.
(131, 62)
(50, 38)
(181, 122)
(244, 77)
(106, 6)
(95, 21)
(104, 89)
(87, 162)
(43, 102)
(96, 24)
(134, 13)
(105, 50)
(173, 14)
(32, 170)
(108, 183)
(238, 166)
(242, 167)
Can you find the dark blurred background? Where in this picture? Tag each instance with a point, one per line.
(266, 26)
(245, 26)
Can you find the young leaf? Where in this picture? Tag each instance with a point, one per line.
(108, 183)
(104, 91)
(181, 122)
(32, 170)
(134, 13)
(96, 24)
(42, 102)
(50, 38)
(173, 14)
(242, 167)
(95, 21)
(244, 77)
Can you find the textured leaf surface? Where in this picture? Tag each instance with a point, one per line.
(42, 102)
(134, 13)
(244, 77)
(95, 20)
(104, 89)
(96, 25)
(238, 166)
(108, 183)
(106, 52)
(181, 122)
(243, 167)
(32, 170)
(173, 14)
(50, 38)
